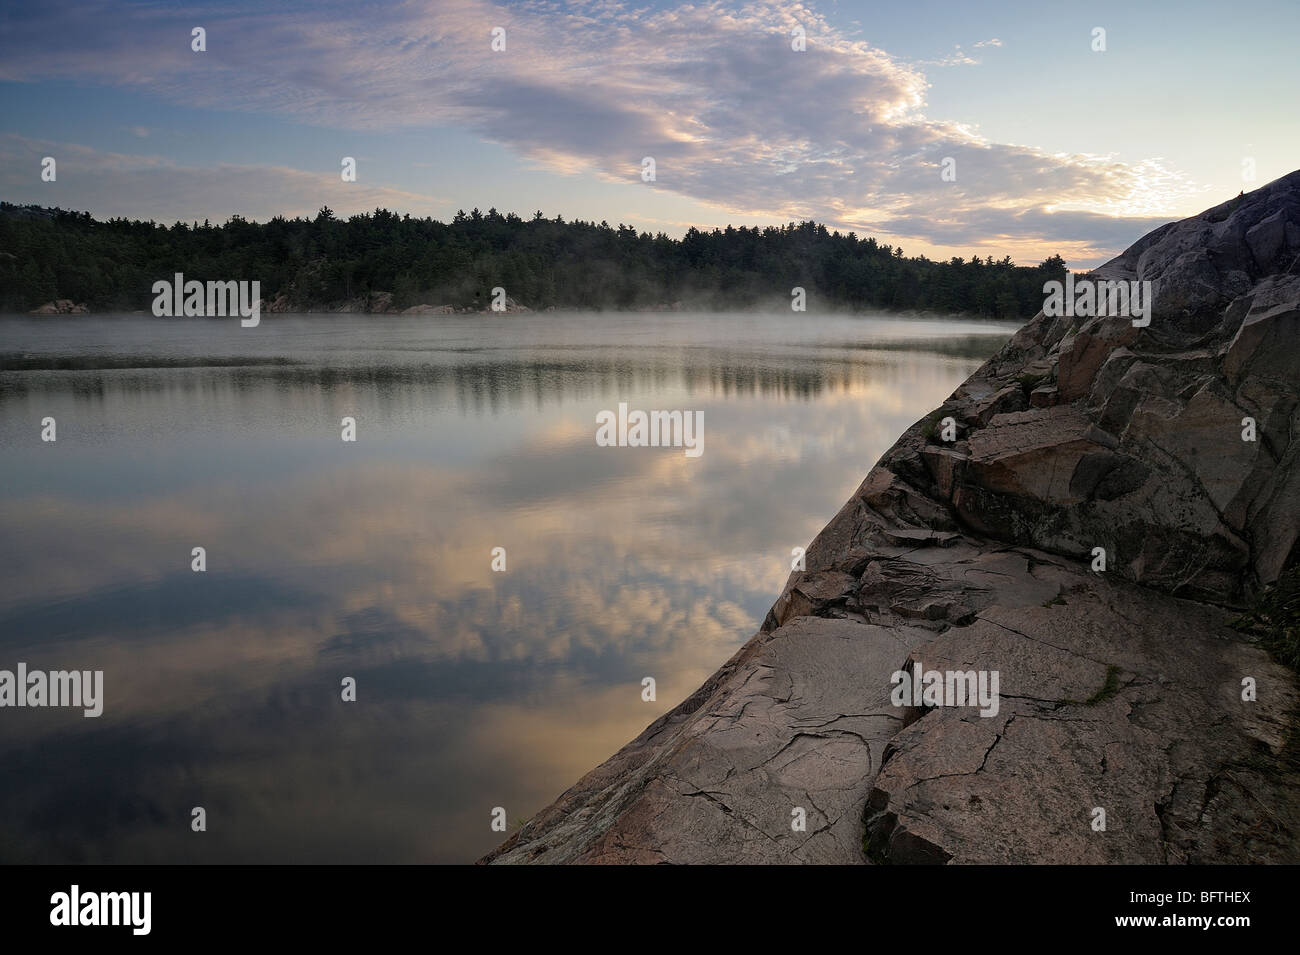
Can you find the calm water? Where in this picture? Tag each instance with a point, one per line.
(372, 559)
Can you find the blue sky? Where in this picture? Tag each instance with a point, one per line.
(1057, 147)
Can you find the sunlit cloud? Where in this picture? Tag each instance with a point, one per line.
(733, 117)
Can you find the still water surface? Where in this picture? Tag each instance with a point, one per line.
(372, 560)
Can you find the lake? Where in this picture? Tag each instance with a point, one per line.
(372, 560)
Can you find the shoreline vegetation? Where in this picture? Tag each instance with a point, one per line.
(56, 262)
(66, 307)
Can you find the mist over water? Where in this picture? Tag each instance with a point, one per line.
(372, 559)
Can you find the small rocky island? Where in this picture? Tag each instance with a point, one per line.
(1173, 451)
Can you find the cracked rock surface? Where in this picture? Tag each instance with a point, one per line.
(1120, 691)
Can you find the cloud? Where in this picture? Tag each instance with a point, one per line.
(959, 57)
(733, 117)
(154, 187)
(956, 58)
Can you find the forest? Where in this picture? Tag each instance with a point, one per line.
(329, 263)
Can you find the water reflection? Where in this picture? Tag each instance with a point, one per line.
(372, 560)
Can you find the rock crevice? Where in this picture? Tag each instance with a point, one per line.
(1168, 449)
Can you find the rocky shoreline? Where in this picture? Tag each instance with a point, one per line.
(1135, 723)
(381, 303)
(377, 303)
(61, 306)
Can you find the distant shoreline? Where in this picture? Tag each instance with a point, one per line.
(59, 262)
(81, 311)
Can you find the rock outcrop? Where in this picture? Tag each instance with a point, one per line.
(428, 310)
(1085, 516)
(377, 303)
(62, 306)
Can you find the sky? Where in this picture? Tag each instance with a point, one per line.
(1050, 145)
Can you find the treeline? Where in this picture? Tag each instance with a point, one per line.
(327, 262)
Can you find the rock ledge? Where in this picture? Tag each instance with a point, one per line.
(1120, 691)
